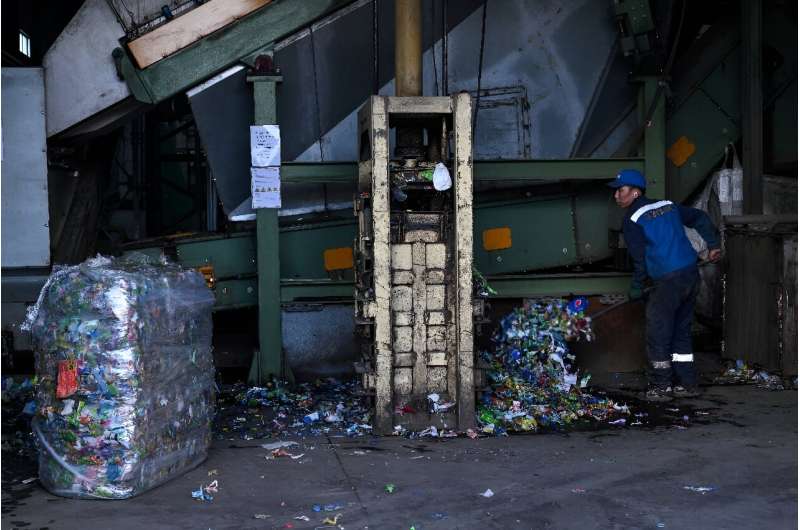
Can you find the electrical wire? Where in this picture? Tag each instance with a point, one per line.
(433, 48)
(480, 70)
(128, 10)
(636, 136)
(444, 48)
(675, 42)
(120, 20)
(667, 68)
(316, 94)
(375, 49)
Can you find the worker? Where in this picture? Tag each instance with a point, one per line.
(663, 256)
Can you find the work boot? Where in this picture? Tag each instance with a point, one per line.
(659, 394)
(688, 391)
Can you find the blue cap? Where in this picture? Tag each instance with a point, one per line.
(629, 177)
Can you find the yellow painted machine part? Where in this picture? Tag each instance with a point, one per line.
(337, 259)
(680, 151)
(497, 238)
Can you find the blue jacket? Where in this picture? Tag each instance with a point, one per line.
(656, 240)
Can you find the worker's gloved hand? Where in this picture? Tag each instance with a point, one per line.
(636, 293)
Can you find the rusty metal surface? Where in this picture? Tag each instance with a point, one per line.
(463, 250)
(760, 292)
(750, 305)
(619, 345)
(414, 271)
(789, 307)
(408, 47)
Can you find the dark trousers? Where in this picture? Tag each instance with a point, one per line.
(670, 310)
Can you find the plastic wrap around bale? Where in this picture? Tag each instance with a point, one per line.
(126, 377)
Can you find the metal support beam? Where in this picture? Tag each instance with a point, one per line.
(319, 172)
(221, 49)
(532, 285)
(463, 249)
(655, 138)
(507, 286)
(269, 361)
(483, 170)
(317, 290)
(516, 286)
(408, 47)
(554, 170)
(752, 106)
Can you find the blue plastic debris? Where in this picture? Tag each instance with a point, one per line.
(326, 507)
(30, 408)
(202, 495)
(577, 305)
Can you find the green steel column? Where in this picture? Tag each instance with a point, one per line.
(655, 139)
(269, 360)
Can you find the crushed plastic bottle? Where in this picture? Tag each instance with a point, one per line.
(531, 377)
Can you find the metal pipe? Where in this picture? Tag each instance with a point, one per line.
(408, 47)
(752, 106)
(444, 48)
(376, 82)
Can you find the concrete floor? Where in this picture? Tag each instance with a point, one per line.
(632, 477)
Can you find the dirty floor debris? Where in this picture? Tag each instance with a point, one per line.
(739, 440)
(324, 407)
(740, 373)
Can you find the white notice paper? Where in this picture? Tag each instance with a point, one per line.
(265, 185)
(265, 145)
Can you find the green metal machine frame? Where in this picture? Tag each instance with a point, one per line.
(239, 42)
(279, 270)
(283, 264)
(269, 360)
(568, 225)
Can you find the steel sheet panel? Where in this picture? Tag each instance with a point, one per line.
(25, 216)
(223, 110)
(542, 235)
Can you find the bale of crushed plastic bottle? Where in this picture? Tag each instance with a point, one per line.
(126, 376)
